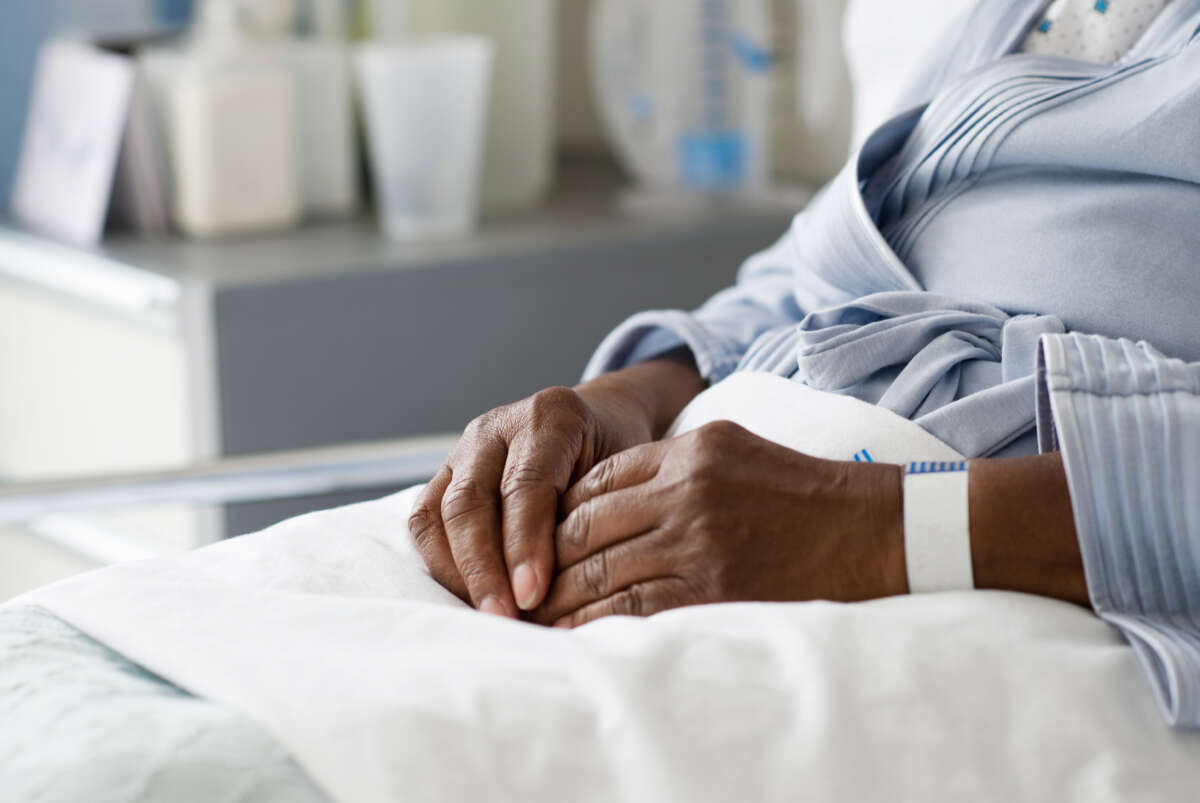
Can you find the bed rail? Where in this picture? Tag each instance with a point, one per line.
(278, 475)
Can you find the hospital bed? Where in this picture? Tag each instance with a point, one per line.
(947, 697)
(79, 721)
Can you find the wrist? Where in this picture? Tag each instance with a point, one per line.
(876, 504)
(887, 500)
(1023, 534)
(621, 420)
(649, 395)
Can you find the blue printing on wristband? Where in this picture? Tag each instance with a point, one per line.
(864, 457)
(935, 467)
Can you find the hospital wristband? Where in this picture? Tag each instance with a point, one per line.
(937, 527)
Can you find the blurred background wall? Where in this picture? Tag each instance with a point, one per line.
(328, 333)
(27, 23)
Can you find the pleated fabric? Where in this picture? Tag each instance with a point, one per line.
(1018, 207)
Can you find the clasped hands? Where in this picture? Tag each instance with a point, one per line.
(563, 508)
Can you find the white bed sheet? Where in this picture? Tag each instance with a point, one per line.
(327, 630)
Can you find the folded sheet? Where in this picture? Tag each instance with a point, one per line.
(327, 630)
(80, 723)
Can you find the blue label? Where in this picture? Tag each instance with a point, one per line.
(753, 57)
(713, 161)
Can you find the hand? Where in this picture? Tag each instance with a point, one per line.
(485, 523)
(721, 515)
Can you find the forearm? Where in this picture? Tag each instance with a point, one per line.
(1023, 529)
(656, 391)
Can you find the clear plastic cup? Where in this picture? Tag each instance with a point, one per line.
(425, 106)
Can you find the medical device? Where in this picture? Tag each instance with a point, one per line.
(686, 88)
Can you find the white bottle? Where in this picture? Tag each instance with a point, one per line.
(230, 115)
(520, 151)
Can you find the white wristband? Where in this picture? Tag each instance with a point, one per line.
(937, 528)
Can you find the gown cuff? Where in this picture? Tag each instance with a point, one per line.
(1127, 421)
(649, 335)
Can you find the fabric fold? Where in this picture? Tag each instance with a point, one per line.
(1061, 193)
(1127, 420)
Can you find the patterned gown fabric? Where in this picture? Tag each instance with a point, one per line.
(1101, 31)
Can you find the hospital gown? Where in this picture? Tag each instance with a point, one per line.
(1013, 261)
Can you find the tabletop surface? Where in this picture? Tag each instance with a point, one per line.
(590, 207)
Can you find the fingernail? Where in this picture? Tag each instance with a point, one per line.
(525, 586)
(494, 606)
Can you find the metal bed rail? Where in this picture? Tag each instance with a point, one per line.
(253, 478)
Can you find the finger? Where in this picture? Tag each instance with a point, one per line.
(639, 599)
(425, 526)
(471, 516)
(602, 574)
(622, 470)
(601, 522)
(535, 475)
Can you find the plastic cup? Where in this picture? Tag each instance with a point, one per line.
(425, 107)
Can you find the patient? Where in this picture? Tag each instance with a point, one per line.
(974, 269)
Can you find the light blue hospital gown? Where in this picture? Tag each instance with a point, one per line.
(1013, 262)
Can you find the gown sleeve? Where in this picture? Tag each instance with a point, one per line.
(1127, 421)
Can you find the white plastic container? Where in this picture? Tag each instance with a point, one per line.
(326, 139)
(229, 112)
(683, 88)
(520, 152)
(233, 150)
(425, 103)
(268, 18)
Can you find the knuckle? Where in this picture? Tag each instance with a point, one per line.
(477, 426)
(700, 488)
(602, 477)
(421, 522)
(723, 430)
(552, 404)
(687, 590)
(556, 398)
(521, 477)
(719, 579)
(701, 452)
(475, 572)
(574, 533)
(630, 602)
(595, 573)
(485, 427)
(705, 525)
(462, 498)
(716, 437)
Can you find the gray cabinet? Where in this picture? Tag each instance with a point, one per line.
(332, 334)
